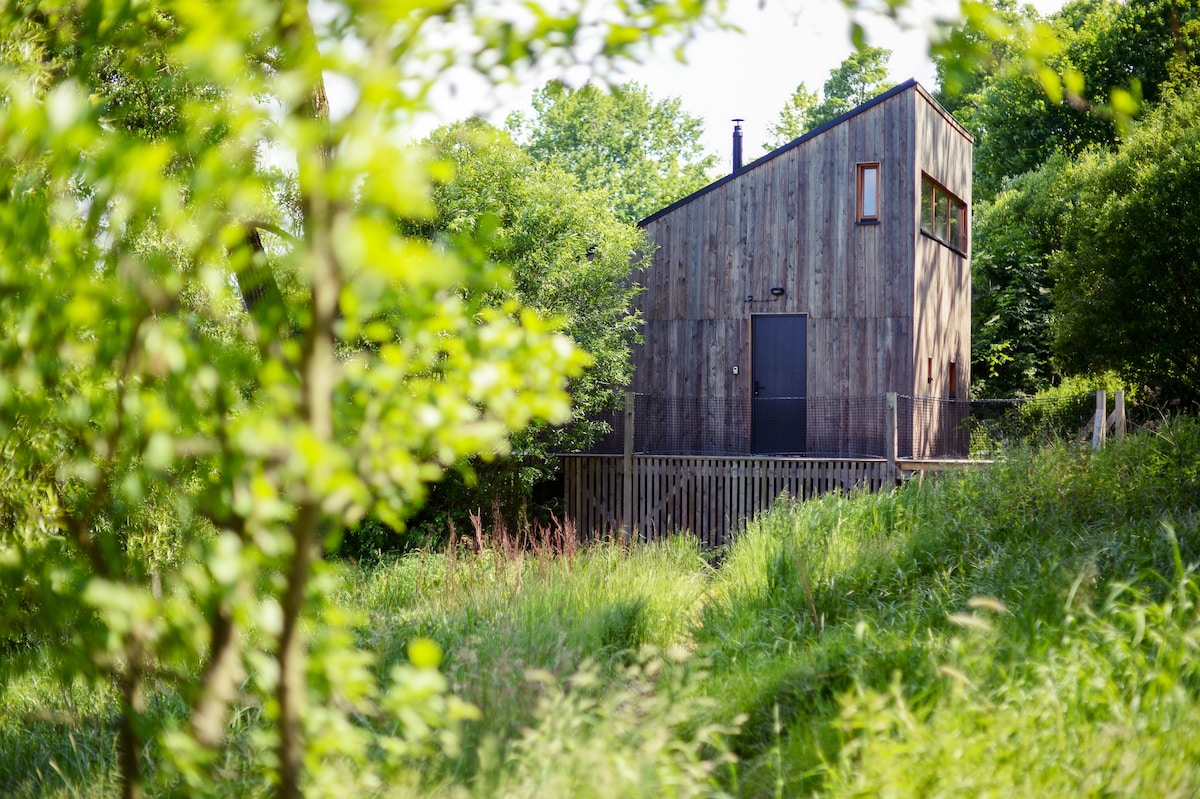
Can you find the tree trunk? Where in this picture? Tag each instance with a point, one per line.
(317, 377)
(129, 739)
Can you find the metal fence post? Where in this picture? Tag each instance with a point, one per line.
(890, 432)
(627, 476)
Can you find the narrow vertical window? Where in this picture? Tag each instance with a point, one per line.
(928, 198)
(941, 218)
(953, 393)
(868, 192)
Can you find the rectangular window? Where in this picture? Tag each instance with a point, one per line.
(953, 393)
(868, 192)
(926, 209)
(943, 216)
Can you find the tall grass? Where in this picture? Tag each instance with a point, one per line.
(1104, 709)
(56, 739)
(502, 612)
(1028, 629)
(823, 599)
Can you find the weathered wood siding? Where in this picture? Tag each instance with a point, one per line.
(942, 284)
(712, 498)
(789, 220)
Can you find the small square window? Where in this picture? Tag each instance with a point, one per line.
(868, 192)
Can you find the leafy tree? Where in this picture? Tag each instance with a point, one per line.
(861, 76)
(644, 153)
(1127, 274)
(572, 258)
(970, 52)
(1012, 309)
(794, 119)
(1098, 57)
(1110, 55)
(138, 403)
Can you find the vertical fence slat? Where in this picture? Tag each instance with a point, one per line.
(712, 497)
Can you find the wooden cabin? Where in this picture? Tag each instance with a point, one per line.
(824, 275)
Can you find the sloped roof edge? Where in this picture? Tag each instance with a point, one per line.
(911, 83)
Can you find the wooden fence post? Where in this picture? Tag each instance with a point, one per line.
(627, 475)
(891, 429)
(1119, 416)
(1100, 422)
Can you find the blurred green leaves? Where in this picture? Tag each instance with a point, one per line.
(175, 445)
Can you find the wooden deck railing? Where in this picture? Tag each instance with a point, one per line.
(711, 497)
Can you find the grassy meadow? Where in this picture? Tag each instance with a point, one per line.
(1026, 629)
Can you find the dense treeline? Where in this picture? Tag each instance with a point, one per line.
(1082, 263)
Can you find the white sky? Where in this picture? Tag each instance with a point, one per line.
(750, 74)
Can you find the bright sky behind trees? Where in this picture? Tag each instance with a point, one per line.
(749, 75)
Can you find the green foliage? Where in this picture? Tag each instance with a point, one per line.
(571, 258)
(1066, 83)
(964, 635)
(1094, 712)
(642, 153)
(824, 602)
(499, 614)
(794, 119)
(637, 738)
(1012, 307)
(1047, 99)
(1127, 295)
(177, 464)
(969, 52)
(862, 75)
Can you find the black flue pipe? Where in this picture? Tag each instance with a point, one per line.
(737, 145)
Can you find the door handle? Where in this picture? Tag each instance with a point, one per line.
(758, 387)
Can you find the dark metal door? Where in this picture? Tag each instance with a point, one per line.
(779, 371)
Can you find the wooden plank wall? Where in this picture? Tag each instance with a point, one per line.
(941, 281)
(710, 497)
(788, 220)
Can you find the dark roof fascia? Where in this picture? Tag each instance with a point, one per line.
(812, 134)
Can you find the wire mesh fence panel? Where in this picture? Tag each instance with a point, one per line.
(997, 424)
(847, 427)
(933, 428)
(612, 442)
(927, 428)
(777, 426)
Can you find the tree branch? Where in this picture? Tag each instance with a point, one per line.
(316, 368)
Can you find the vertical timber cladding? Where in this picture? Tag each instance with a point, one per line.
(880, 298)
(789, 221)
(941, 280)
